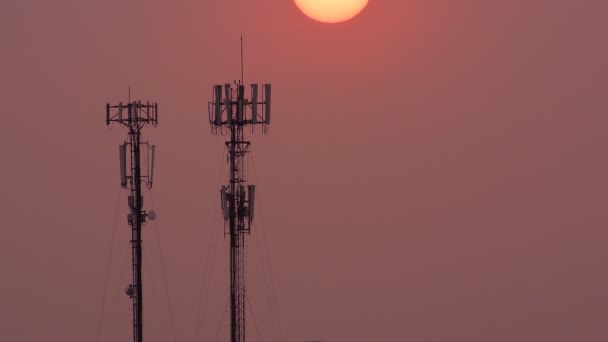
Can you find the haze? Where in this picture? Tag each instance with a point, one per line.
(435, 170)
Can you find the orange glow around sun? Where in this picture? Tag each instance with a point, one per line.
(331, 11)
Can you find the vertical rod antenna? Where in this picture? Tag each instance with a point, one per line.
(242, 68)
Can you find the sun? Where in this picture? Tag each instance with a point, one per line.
(331, 11)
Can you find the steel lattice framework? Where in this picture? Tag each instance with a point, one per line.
(229, 113)
(134, 116)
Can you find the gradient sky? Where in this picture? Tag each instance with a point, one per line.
(435, 170)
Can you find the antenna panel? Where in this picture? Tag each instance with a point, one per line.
(218, 104)
(240, 115)
(267, 104)
(130, 112)
(254, 103)
(120, 112)
(107, 113)
(151, 178)
(251, 192)
(122, 156)
(228, 103)
(225, 204)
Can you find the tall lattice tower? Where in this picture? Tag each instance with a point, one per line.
(135, 116)
(229, 113)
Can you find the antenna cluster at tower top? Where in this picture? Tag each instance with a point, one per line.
(132, 113)
(230, 107)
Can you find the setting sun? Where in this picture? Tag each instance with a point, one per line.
(331, 11)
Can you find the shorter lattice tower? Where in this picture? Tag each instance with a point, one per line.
(134, 116)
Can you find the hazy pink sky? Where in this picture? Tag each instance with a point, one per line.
(435, 171)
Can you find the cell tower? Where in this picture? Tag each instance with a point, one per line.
(229, 113)
(135, 115)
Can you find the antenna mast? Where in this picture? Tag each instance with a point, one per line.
(134, 116)
(231, 111)
(242, 68)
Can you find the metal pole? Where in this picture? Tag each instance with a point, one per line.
(237, 149)
(233, 239)
(136, 240)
